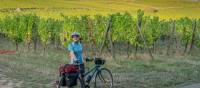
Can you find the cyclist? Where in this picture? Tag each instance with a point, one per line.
(76, 51)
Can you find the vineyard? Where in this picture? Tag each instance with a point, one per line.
(139, 32)
(145, 43)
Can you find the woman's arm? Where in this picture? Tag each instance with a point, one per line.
(71, 52)
(71, 55)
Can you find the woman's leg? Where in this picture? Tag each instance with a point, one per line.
(82, 69)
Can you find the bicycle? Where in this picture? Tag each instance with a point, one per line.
(101, 77)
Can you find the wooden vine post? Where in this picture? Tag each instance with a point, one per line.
(193, 35)
(35, 34)
(171, 37)
(139, 27)
(108, 37)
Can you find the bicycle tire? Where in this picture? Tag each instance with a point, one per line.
(104, 75)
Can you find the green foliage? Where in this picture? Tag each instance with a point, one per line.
(184, 29)
(14, 28)
(44, 30)
(197, 42)
(19, 28)
(124, 28)
(99, 27)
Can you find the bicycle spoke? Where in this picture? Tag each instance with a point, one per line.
(104, 79)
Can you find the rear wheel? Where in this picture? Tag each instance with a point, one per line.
(103, 79)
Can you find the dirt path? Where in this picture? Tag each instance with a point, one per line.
(6, 82)
(192, 86)
(7, 52)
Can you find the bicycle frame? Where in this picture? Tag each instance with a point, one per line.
(94, 71)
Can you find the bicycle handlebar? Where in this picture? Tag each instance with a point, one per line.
(89, 59)
(92, 59)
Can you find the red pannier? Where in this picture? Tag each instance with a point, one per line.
(68, 68)
(69, 75)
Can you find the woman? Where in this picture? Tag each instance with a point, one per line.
(76, 50)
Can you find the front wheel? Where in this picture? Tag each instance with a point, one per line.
(103, 79)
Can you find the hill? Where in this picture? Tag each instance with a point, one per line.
(52, 8)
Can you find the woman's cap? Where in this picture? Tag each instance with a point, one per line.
(75, 34)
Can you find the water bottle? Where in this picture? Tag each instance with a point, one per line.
(88, 78)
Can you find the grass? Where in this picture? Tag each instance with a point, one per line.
(52, 8)
(40, 71)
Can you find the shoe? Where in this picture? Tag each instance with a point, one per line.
(56, 82)
(87, 86)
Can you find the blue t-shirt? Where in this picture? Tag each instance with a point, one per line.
(77, 49)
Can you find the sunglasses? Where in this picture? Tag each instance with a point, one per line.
(75, 36)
